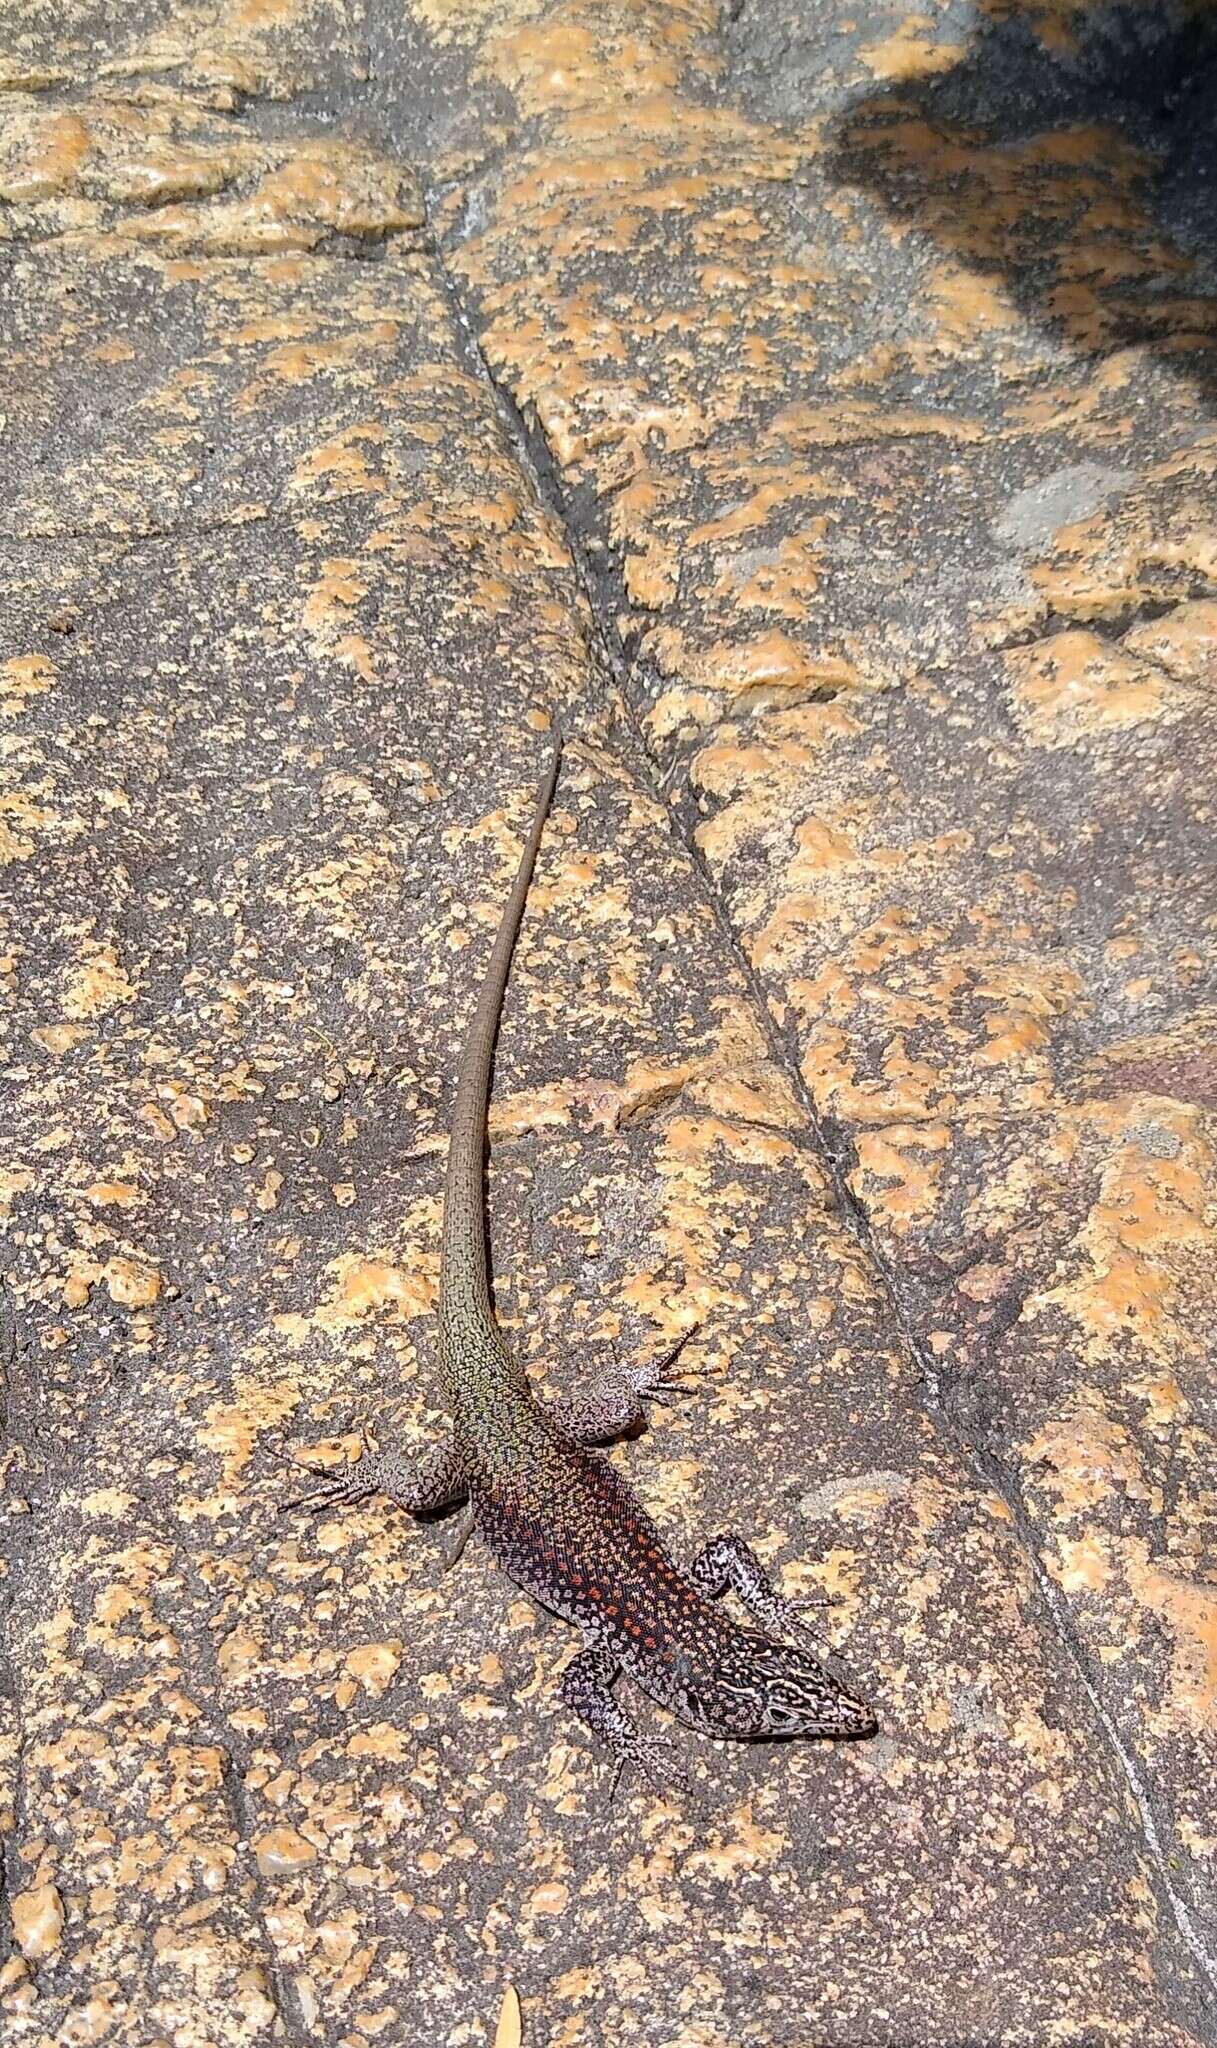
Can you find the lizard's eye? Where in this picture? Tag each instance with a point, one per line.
(787, 1708)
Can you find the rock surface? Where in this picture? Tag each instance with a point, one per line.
(817, 410)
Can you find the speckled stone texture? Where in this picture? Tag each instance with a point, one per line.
(848, 488)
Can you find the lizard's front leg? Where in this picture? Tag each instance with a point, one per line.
(729, 1561)
(437, 1478)
(587, 1686)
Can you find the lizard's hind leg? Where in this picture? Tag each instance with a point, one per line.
(587, 1686)
(437, 1478)
(612, 1406)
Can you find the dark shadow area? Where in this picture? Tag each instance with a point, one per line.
(1081, 177)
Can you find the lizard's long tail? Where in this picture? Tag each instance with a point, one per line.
(464, 1266)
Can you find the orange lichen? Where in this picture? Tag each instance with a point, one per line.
(1188, 1608)
(22, 677)
(1075, 685)
(98, 985)
(38, 1921)
(132, 1284)
(1123, 1270)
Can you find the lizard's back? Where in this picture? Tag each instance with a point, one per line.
(567, 1527)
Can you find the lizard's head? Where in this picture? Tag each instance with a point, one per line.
(759, 1688)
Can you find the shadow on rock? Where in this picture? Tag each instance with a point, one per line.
(1071, 156)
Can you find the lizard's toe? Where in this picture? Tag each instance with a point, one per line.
(652, 1386)
(345, 1489)
(655, 1762)
(790, 1620)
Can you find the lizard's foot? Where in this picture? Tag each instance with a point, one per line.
(340, 1489)
(730, 1562)
(654, 1759)
(327, 1479)
(613, 1405)
(465, 1523)
(587, 1690)
(437, 1479)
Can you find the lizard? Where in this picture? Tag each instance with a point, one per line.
(556, 1513)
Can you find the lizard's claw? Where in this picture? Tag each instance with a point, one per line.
(663, 1375)
(287, 1457)
(336, 1493)
(793, 1622)
(653, 1759)
(334, 1490)
(465, 1524)
(341, 1488)
(671, 1383)
(650, 1382)
(297, 1466)
(673, 1352)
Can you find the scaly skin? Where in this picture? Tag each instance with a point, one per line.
(558, 1516)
